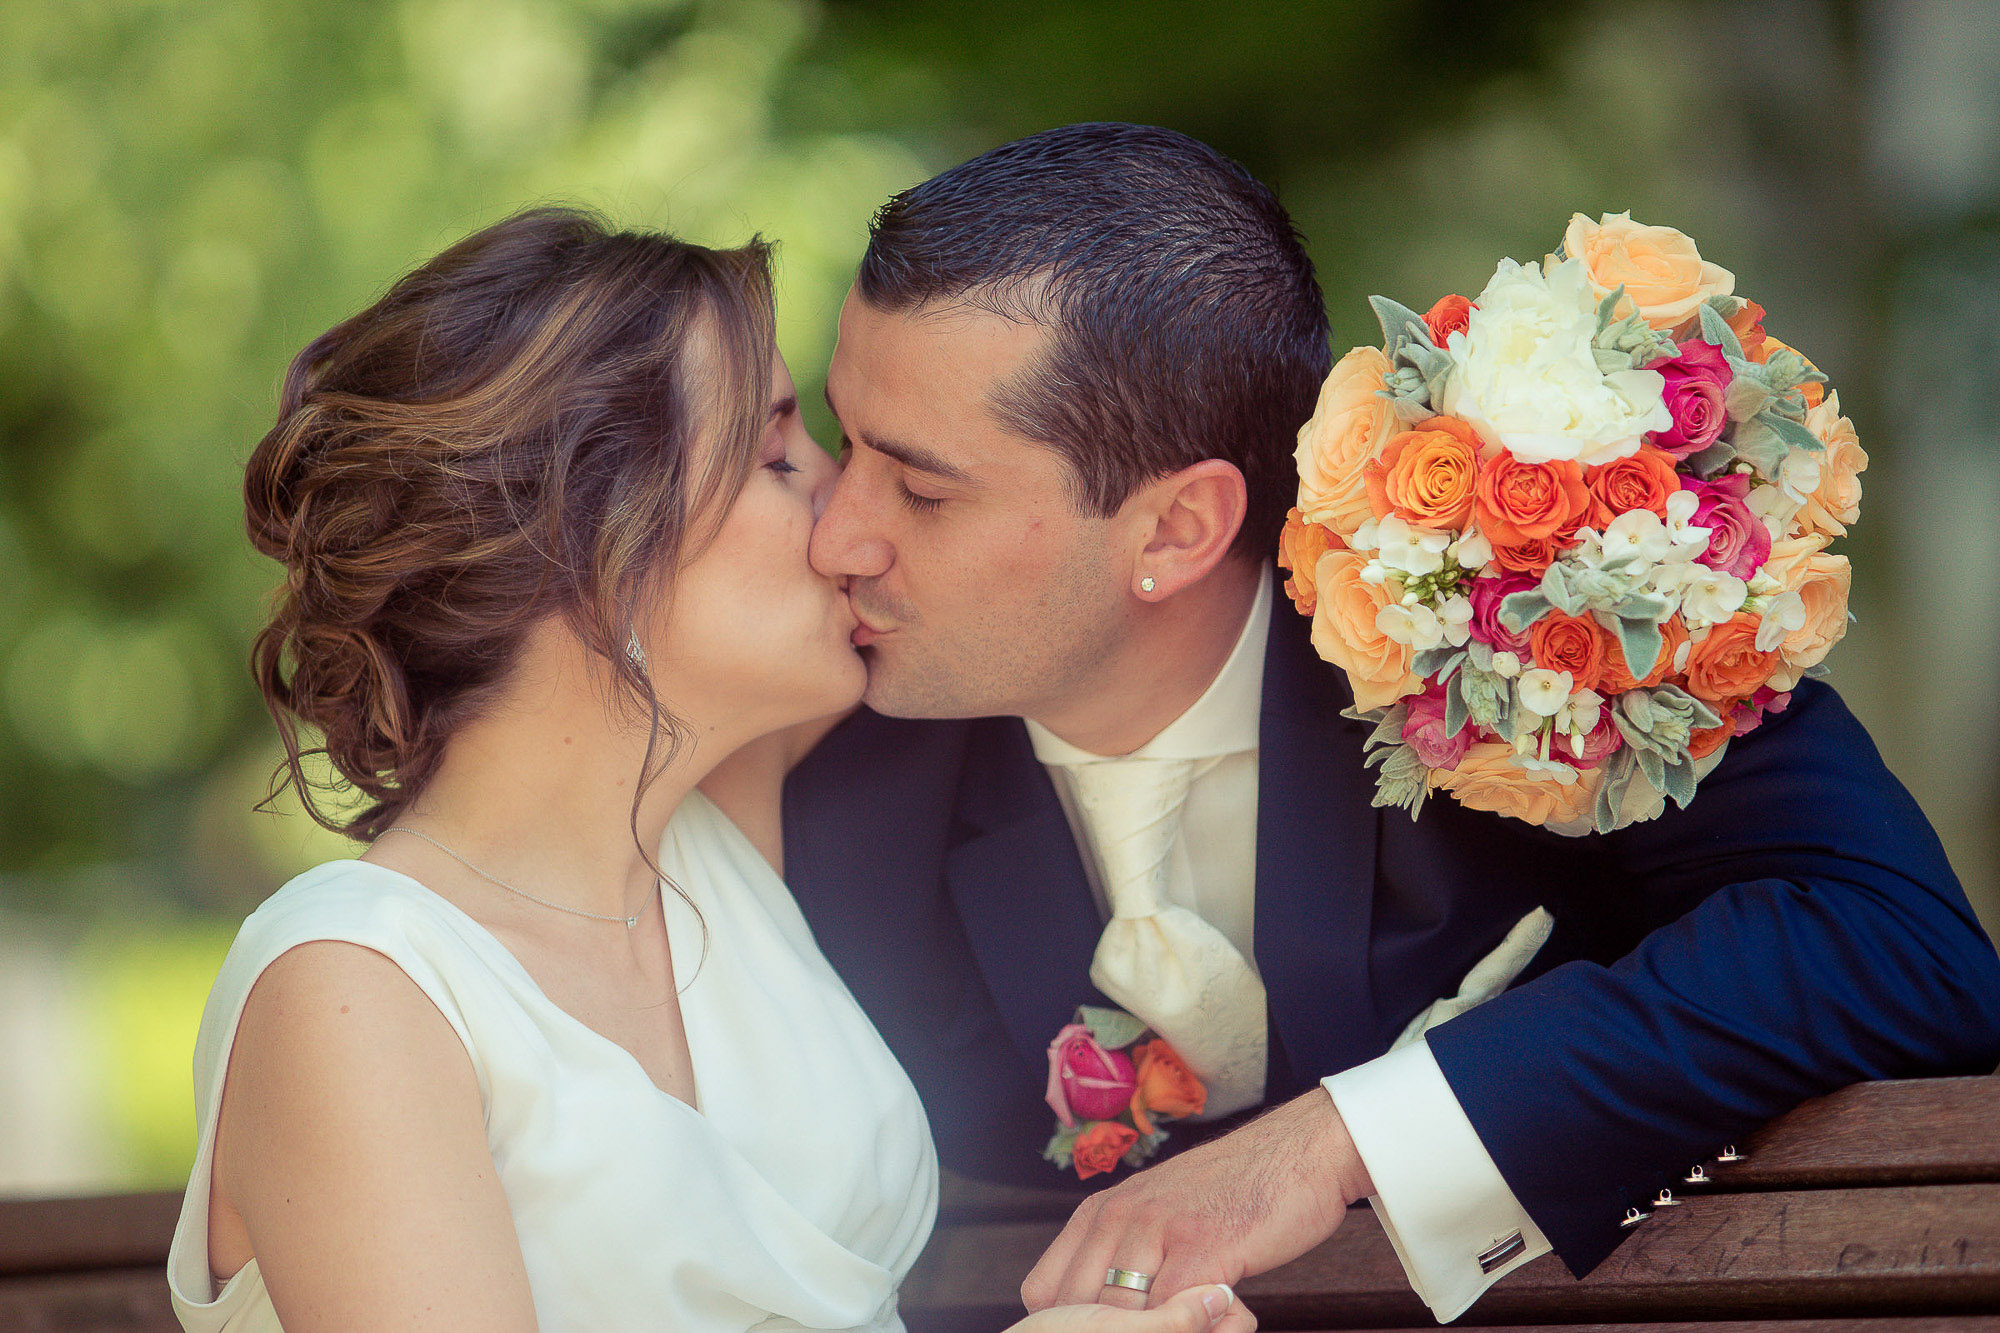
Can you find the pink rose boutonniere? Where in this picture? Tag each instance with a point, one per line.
(1109, 1088)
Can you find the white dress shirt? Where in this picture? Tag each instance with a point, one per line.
(1440, 1198)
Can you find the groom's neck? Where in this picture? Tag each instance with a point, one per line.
(1172, 654)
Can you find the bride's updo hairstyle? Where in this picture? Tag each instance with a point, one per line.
(509, 434)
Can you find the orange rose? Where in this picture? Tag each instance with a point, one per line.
(1726, 668)
(1748, 326)
(1643, 481)
(1300, 546)
(1812, 389)
(1099, 1148)
(1837, 500)
(1617, 677)
(1426, 475)
(1664, 276)
(1707, 740)
(1520, 502)
(1488, 779)
(1166, 1087)
(1344, 632)
(1569, 643)
(1533, 557)
(1347, 430)
(1450, 315)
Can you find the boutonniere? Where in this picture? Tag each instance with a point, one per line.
(1111, 1084)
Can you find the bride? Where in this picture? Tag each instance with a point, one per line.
(557, 1051)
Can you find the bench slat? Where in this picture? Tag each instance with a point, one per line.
(1902, 1249)
(101, 1231)
(116, 1300)
(1917, 1131)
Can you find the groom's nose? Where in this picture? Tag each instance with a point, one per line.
(847, 541)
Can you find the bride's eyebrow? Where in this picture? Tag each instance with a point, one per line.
(784, 407)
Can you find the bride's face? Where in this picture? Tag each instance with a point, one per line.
(755, 639)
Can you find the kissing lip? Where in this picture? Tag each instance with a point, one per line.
(865, 633)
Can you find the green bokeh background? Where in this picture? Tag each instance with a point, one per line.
(189, 191)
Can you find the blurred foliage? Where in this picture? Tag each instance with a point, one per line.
(189, 191)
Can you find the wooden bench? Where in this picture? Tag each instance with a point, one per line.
(1874, 1210)
(1881, 1200)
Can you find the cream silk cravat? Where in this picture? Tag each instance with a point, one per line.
(1159, 961)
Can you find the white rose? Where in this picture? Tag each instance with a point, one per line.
(1526, 376)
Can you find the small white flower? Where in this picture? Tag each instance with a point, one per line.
(1455, 615)
(1506, 665)
(1410, 549)
(1472, 551)
(1798, 477)
(1543, 691)
(1364, 538)
(1372, 572)
(1783, 615)
(1711, 596)
(1580, 714)
(1774, 505)
(1563, 773)
(1417, 626)
(1637, 537)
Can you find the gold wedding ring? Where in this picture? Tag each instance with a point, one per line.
(1125, 1277)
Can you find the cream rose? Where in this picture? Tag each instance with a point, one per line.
(1344, 632)
(1664, 277)
(1347, 431)
(1487, 778)
(1836, 501)
(1527, 377)
(1822, 583)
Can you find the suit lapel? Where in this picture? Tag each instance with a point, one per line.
(1019, 886)
(1316, 836)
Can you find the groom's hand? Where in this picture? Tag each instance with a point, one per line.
(1241, 1204)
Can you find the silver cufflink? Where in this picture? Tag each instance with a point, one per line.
(1633, 1217)
(1495, 1256)
(1666, 1200)
(1730, 1154)
(1698, 1176)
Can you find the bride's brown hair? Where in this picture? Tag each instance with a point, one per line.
(507, 434)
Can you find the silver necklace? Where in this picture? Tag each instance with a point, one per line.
(630, 922)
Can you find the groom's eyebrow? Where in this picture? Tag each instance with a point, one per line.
(912, 456)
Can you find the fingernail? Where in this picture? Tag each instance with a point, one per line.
(1217, 1301)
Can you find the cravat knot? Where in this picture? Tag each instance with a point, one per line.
(1162, 962)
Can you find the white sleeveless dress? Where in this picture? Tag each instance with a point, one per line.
(796, 1196)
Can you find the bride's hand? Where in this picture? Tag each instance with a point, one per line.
(1210, 1309)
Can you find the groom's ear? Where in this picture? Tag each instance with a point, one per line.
(1185, 522)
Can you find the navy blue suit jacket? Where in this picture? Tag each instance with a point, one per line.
(1796, 929)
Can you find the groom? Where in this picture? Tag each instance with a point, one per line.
(1069, 377)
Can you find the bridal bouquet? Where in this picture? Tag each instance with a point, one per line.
(1568, 538)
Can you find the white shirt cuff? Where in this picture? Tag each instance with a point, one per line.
(1441, 1200)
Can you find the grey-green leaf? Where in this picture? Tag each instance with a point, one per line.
(1113, 1028)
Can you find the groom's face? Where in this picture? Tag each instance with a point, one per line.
(980, 585)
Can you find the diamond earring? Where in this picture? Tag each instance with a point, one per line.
(1146, 584)
(635, 652)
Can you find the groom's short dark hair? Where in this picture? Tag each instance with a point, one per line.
(1186, 320)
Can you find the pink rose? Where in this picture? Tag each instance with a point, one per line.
(1738, 541)
(1697, 380)
(1087, 1082)
(1598, 743)
(1424, 731)
(1751, 712)
(1486, 594)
